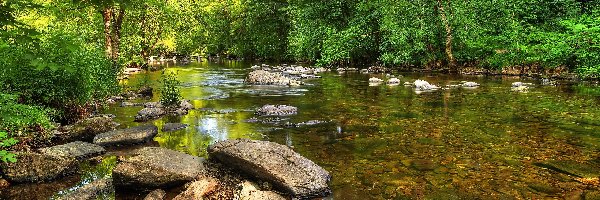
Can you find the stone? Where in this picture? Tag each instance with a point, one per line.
(35, 167)
(469, 84)
(573, 168)
(4, 183)
(149, 113)
(77, 150)
(135, 135)
(262, 77)
(519, 84)
(201, 189)
(186, 105)
(520, 89)
(592, 195)
(421, 85)
(157, 194)
(145, 91)
(86, 129)
(544, 188)
(250, 191)
(153, 105)
(168, 127)
(277, 110)
(276, 164)
(393, 81)
(375, 80)
(156, 167)
(129, 104)
(93, 190)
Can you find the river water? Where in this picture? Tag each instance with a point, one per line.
(389, 142)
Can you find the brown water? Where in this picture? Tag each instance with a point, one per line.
(388, 142)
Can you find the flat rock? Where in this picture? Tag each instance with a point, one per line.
(77, 150)
(250, 191)
(277, 110)
(157, 194)
(200, 189)
(168, 127)
(155, 167)
(35, 167)
(86, 129)
(573, 168)
(93, 190)
(150, 113)
(275, 163)
(135, 135)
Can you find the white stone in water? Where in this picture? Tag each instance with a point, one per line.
(518, 84)
(470, 84)
(421, 85)
(375, 80)
(393, 81)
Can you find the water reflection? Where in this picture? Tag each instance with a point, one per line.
(390, 142)
(210, 126)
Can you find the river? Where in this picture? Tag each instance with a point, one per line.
(389, 142)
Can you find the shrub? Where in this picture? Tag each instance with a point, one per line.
(23, 120)
(58, 71)
(6, 142)
(169, 92)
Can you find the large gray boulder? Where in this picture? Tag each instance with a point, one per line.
(90, 191)
(128, 136)
(155, 167)
(35, 167)
(275, 163)
(77, 150)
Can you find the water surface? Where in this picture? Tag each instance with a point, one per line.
(389, 142)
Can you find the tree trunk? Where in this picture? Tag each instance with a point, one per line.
(113, 21)
(451, 60)
(116, 36)
(107, 14)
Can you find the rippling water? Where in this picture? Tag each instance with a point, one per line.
(388, 142)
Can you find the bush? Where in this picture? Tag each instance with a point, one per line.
(23, 120)
(58, 71)
(6, 142)
(169, 92)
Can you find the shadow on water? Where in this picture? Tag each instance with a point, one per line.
(388, 142)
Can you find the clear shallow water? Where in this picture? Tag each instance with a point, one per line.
(388, 142)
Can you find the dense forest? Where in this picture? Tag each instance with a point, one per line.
(59, 58)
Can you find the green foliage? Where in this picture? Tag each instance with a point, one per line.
(59, 73)
(169, 91)
(22, 120)
(6, 142)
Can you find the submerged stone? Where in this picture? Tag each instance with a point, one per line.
(93, 190)
(168, 127)
(274, 163)
(128, 136)
(583, 170)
